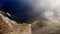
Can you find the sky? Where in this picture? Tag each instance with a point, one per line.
(31, 10)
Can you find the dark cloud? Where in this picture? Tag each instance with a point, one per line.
(28, 10)
(20, 10)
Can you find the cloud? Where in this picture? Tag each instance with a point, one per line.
(31, 10)
(50, 9)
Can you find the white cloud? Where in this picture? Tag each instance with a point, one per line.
(51, 9)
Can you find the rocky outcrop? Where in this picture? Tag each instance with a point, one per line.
(8, 26)
(46, 27)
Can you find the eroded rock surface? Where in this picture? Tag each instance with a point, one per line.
(8, 26)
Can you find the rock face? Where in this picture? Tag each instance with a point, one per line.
(8, 26)
(46, 27)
